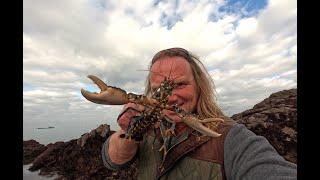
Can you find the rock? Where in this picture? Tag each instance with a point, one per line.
(81, 141)
(31, 149)
(103, 130)
(80, 158)
(46, 158)
(275, 118)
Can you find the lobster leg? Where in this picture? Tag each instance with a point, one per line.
(133, 127)
(172, 128)
(166, 139)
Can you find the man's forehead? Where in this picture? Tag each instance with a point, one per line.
(161, 76)
(172, 67)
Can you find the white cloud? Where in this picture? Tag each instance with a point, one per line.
(247, 27)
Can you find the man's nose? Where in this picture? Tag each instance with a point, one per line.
(173, 99)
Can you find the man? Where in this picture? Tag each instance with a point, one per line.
(237, 154)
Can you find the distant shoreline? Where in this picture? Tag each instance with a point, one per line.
(50, 127)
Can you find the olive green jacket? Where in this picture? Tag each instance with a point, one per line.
(177, 165)
(188, 157)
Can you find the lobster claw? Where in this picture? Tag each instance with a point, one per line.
(109, 95)
(197, 125)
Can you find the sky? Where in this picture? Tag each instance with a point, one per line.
(249, 47)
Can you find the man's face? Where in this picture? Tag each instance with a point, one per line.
(185, 94)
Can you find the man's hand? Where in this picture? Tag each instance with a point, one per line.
(123, 150)
(129, 110)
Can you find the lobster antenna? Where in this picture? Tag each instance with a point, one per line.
(170, 70)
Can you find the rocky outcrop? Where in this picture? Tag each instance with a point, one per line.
(31, 149)
(275, 118)
(79, 158)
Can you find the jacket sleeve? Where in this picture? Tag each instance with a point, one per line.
(249, 156)
(107, 161)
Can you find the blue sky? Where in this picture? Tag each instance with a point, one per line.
(249, 48)
(241, 8)
(244, 7)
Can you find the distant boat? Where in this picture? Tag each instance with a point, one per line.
(46, 127)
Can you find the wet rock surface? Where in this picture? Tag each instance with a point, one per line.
(274, 118)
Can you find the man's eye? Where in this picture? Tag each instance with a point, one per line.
(181, 85)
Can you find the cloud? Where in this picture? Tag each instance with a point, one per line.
(250, 50)
(246, 27)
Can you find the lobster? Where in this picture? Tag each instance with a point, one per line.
(154, 105)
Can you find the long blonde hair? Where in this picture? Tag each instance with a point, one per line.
(206, 105)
